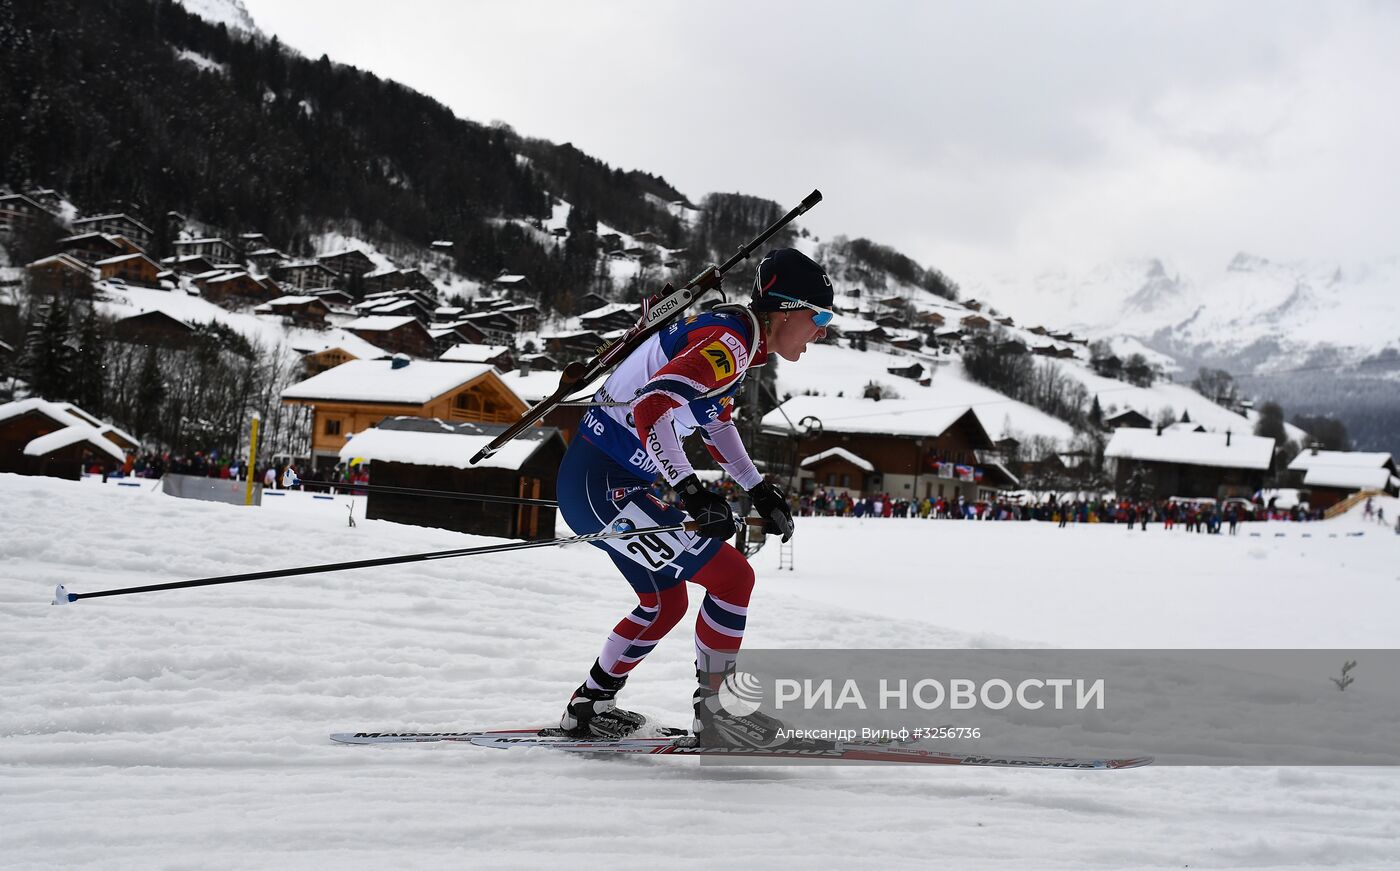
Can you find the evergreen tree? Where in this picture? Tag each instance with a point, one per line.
(1096, 414)
(89, 365)
(47, 363)
(150, 394)
(1270, 423)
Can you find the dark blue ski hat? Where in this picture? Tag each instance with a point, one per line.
(789, 272)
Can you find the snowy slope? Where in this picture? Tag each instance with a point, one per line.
(187, 728)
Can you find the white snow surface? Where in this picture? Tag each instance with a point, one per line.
(187, 729)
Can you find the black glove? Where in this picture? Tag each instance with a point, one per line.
(772, 506)
(708, 509)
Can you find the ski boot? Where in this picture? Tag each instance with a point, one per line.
(718, 726)
(594, 713)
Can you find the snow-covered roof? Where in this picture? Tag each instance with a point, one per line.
(324, 340)
(1347, 477)
(532, 387)
(611, 308)
(70, 435)
(122, 258)
(95, 218)
(1348, 459)
(379, 322)
(843, 454)
(377, 381)
(888, 416)
(1192, 448)
(64, 259)
(465, 353)
(294, 300)
(425, 442)
(78, 426)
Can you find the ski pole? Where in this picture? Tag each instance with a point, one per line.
(360, 489)
(63, 597)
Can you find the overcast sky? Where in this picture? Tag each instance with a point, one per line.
(968, 135)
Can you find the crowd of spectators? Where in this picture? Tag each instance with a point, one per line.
(1204, 515)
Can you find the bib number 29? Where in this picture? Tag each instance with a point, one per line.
(652, 549)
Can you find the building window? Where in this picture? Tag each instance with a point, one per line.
(332, 426)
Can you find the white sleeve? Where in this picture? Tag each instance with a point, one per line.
(722, 438)
(664, 448)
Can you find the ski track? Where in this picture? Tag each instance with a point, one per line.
(187, 729)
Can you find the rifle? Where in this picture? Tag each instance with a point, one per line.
(657, 311)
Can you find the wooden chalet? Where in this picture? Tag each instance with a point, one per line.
(498, 328)
(412, 453)
(19, 212)
(236, 288)
(57, 439)
(214, 249)
(914, 371)
(189, 264)
(60, 273)
(931, 319)
(92, 247)
(1128, 418)
(305, 275)
(332, 296)
(347, 264)
(307, 311)
(1211, 465)
(405, 334)
(1330, 477)
(526, 316)
(459, 333)
(498, 356)
(975, 322)
(578, 345)
(613, 316)
(266, 259)
(153, 329)
(118, 224)
(514, 287)
(358, 394)
(913, 450)
(135, 269)
(538, 362)
(591, 301)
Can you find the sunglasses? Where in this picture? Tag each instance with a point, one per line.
(821, 317)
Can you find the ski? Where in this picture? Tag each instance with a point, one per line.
(651, 734)
(675, 742)
(657, 311)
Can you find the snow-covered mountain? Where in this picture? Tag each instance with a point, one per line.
(1320, 337)
(230, 13)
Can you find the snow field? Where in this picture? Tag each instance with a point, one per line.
(188, 728)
